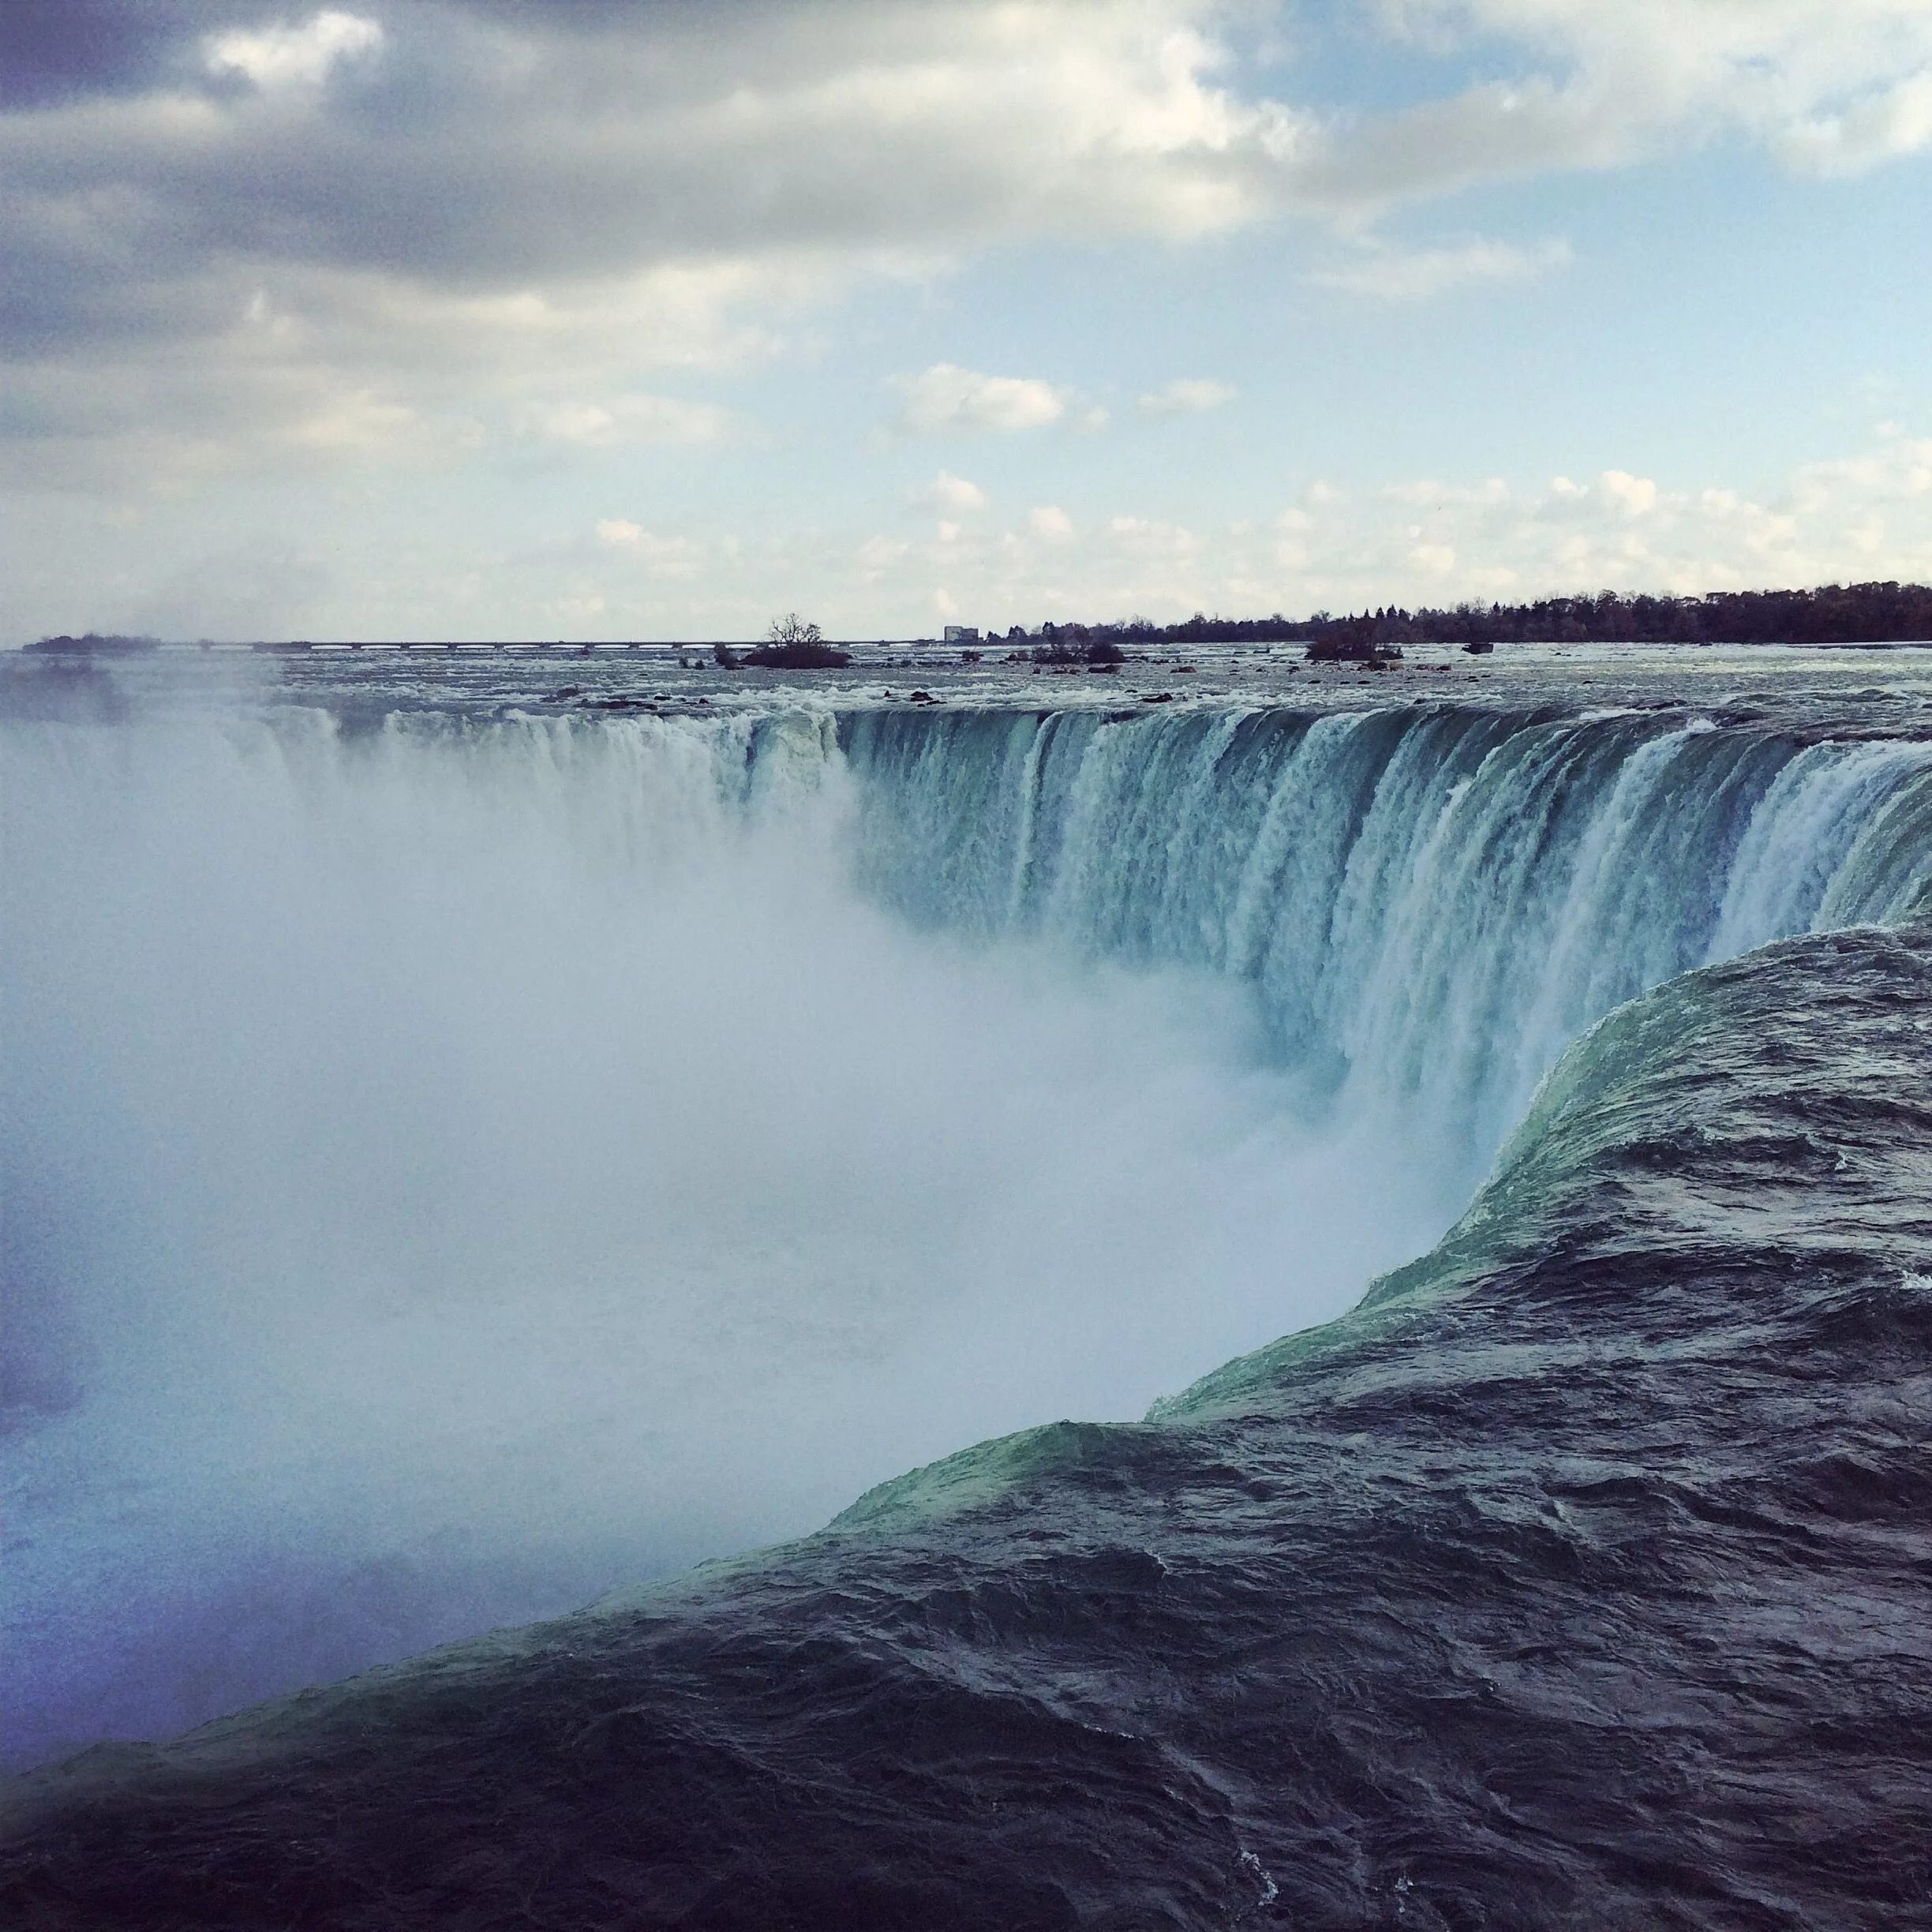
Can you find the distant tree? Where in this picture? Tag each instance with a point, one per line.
(797, 645)
(1832, 614)
(726, 658)
(792, 629)
(1347, 640)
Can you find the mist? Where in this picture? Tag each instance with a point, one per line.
(454, 1169)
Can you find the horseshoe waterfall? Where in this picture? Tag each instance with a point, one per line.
(462, 1160)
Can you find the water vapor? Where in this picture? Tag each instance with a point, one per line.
(456, 1169)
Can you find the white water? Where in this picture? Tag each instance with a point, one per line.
(455, 1168)
(1428, 905)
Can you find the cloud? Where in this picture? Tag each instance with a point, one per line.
(510, 148)
(475, 207)
(878, 554)
(662, 557)
(1185, 395)
(1395, 275)
(1864, 510)
(1883, 126)
(1634, 496)
(1614, 494)
(1438, 541)
(1588, 85)
(1430, 494)
(288, 56)
(1152, 536)
(1871, 511)
(229, 223)
(952, 494)
(949, 399)
(630, 420)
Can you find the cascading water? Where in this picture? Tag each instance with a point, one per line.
(457, 1164)
(1430, 903)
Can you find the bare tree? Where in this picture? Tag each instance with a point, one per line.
(792, 629)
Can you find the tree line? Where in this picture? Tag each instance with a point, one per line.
(1865, 613)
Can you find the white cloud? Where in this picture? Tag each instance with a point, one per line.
(1153, 536)
(1428, 493)
(284, 56)
(1390, 274)
(948, 492)
(1835, 89)
(878, 554)
(629, 420)
(1634, 496)
(1868, 512)
(1185, 395)
(662, 557)
(528, 201)
(1864, 511)
(514, 212)
(534, 202)
(1898, 472)
(1615, 493)
(1883, 126)
(947, 398)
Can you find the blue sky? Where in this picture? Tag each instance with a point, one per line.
(422, 318)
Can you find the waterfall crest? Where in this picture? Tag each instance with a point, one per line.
(1430, 903)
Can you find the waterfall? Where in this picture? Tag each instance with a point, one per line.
(456, 1162)
(1428, 904)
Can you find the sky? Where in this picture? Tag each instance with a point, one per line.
(653, 318)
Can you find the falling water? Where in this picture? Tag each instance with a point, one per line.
(455, 1164)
